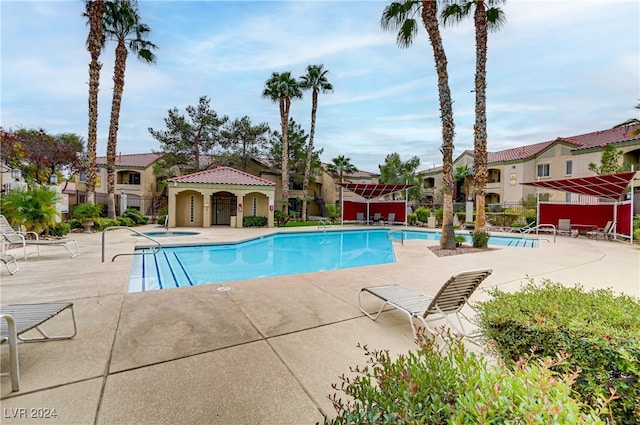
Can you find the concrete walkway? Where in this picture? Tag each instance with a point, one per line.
(264, 352)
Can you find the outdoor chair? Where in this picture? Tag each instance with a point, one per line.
(377, 217)
(18, 319)
(9, 260)
(564, 227)
(18, 238)
(604, 232)
(359, 218)
(391, 219)
(447, 304)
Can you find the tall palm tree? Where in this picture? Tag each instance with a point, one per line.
(122, 25)
(341, 165)
(94, 13)
(401, 16)
(485, 19)
(632, 124)
(316, 80)
(282, 88)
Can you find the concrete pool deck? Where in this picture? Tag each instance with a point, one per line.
(264, 352)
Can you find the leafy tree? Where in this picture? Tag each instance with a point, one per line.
(298, 154)
(341, 165)
(34, 209)
(485, 19)
(462, 173)
(186, 141)
(316, 80)
(94, 13)
(610, 162)
(122, 25)
(282, 88)
(242, 141)
(39, 154)
(395, 171)
(400, 15)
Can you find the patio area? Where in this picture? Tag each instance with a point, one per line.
(264, 352)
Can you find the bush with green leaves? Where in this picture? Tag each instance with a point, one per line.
(125, 221)
(34, 209)
(454, 386)
(412, 219)
(600, 331)
(480, 239)
(99, 224)
(163, 212)
(60, 229)
(636, 228)
(135, 216)
(86, 211)
(333, 212)
(422, 214)
(254, 221)
(439, 213)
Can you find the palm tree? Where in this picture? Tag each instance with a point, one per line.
(95, 10)
(485, 19)
(400, 15)
(316, 80)
(631, 123)
(282, 88)
(122, 24)
(341, 165)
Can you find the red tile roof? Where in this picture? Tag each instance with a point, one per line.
(223, 175)
(141, 160)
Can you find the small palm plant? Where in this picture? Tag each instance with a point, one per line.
(35, 209)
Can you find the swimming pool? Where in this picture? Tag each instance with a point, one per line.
(275, 255)
(515, 241)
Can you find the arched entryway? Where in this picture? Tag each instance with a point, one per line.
(223, 207)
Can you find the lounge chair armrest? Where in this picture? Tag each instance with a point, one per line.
(26, 232)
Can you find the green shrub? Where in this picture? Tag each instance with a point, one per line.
(460, 239)
(454, 386)
(439, 213)
(333, 212)
(99, 224)
(86, 211)
(598, 329)
(162, 215)
(60, 229)
(125, 221)
(480, 239)
(254, 221)
(136, 216)
(75, 223)
(423, 214)
(34, 209)
(412, 219)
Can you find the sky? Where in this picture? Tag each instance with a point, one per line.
(555, 69)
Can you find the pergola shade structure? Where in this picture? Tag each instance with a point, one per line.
(610, 186)
(373, 190)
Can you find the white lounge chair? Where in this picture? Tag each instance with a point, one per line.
(448, 302)
(20, 318)
(360, 218)
(14, 237)
(564, 227)
(604, 232)
(391, 219)
(9, 260)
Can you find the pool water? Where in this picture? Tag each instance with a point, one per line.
(274, 255)
(515, 241)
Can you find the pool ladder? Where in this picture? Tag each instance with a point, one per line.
(324, 224)
(154, 251)
(396, 231)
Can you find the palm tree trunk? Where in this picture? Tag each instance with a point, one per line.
(118, 89)
(430, 19)
(480, 127)
(94, 43)
(307, 165)
(285, 104)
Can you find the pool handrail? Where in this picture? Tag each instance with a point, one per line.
(396, 231)
(324, 224)
(539, 227)
(155, 249)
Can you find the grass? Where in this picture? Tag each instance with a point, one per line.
(293, 223)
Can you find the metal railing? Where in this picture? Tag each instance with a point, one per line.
(396, 231)
(155, 250)
(324, 224)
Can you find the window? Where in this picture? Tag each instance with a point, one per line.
(569, 169)
(192, 209)
(255, 206)
(543, 170)
(567, 198)
(134, 178)
(83, 176)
